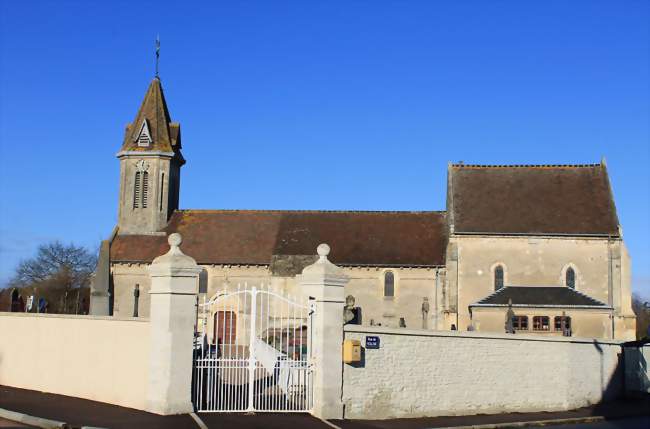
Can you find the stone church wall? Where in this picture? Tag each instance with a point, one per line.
(419, 373)
(412, 285)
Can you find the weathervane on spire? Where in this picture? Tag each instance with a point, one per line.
(157, 52)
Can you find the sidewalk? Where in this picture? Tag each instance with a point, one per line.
(82, 412)
(609, 411)
(7, 424)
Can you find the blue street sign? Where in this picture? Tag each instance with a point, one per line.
(372, 342)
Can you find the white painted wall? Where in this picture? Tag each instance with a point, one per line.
(423, 373)
(97, 358)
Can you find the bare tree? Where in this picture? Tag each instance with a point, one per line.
(57, 272)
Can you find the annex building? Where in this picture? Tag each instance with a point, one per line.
(534, 248)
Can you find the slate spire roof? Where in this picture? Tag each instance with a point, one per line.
(154, 119)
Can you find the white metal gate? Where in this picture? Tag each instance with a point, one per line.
(252, 352)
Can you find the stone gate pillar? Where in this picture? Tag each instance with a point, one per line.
(325, 282)
(174, 287)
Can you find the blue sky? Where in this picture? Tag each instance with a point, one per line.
(316, 105)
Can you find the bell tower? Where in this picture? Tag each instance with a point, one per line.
(150, 166)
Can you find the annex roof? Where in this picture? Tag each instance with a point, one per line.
(531, 199)
(523, 296)
(255, 236)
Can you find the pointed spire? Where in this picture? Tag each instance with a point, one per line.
(152, 129)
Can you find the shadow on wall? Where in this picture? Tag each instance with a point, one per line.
(613, 387)
(617, 386)
(203, 281)
(636, 355)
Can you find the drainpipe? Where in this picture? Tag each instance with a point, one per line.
(610, 281)
(435, 301)
(457, 285)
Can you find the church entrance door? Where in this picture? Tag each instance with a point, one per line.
(225, 327)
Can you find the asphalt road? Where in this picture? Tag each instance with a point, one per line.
(634, 423)
(80, 412)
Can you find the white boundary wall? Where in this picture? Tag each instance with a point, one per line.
(427, 373)
(92, 357)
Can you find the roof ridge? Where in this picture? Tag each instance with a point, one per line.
(540, 166)
(308, 211)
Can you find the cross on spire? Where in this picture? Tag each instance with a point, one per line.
(157, 52)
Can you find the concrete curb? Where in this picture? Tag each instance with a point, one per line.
(569, 421)
(31, 420)
(198, 421)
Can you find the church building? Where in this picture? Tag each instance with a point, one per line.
(534, 249)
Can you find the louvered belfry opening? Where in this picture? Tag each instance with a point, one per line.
(143, 140)
(144, 137)
(136, 190)
(145, 189)
(140, 189)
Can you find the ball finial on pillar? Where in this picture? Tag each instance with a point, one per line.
(323, 250)
(174, 239)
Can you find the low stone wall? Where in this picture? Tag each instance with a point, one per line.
(97, 358)
(426, 373)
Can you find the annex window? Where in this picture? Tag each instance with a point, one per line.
(389, 284)
(541, 323)
(570, 278)
(520, 323)
(136, 190)
(558, 323)
(498, 277)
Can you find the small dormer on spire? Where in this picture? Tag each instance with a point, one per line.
(144, 136)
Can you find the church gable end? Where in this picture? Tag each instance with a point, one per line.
(532, 199)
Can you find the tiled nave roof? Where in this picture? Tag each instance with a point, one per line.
(254, 236)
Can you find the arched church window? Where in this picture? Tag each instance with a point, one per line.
(498, 277)
(136, 190)
(570, 278)
(145, 189)
(389, 284)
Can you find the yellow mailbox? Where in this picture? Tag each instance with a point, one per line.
(351, 351)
